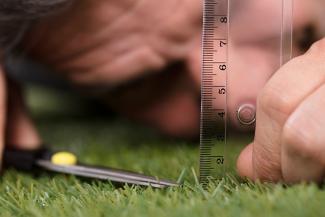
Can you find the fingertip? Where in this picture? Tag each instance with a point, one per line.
(245, 162)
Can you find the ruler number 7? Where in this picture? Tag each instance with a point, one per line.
(222, 43)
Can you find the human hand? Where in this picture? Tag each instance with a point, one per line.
(289, 142)
(16, 127)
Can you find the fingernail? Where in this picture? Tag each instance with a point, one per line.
(246, 114)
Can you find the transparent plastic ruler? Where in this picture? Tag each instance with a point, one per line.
(215, 67)
(214, 64)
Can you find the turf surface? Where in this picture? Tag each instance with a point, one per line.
(115, 142)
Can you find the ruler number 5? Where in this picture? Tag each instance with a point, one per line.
(222, 91)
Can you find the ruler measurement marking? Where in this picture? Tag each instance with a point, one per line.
(214, 66)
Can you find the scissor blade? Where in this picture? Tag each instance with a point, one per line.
(107, 174)
(126, 174)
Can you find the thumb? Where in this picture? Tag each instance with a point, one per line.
(20, 130)
(245, 162)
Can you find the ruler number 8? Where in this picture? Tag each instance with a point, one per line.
(223, 19)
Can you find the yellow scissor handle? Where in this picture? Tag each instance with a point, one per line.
(64, 158)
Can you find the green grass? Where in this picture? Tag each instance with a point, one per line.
(115, 142)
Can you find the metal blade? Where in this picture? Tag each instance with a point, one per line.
(125, 174)
(114, 175)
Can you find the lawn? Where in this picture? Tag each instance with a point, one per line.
(108, 140)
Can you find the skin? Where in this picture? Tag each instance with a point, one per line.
(290, 147)
(16, 127)
(129, 54)
(142, 45)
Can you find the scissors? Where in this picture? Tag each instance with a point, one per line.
(44, 159)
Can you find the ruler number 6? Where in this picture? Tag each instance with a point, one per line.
(222, 67)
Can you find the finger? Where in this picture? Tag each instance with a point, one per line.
(2, 110)
(20, 130)
(303, 140)
(245, 162)
(279, 98)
